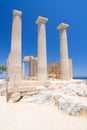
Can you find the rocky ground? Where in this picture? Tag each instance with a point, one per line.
(70, 97)
(55, 105)
(2, 87)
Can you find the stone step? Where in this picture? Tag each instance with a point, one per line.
(25, 84)
(22, 89)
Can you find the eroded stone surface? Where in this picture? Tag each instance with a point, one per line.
(15, 97)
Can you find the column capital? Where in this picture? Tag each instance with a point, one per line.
(62, 26)
(17, 12)
(41, 20)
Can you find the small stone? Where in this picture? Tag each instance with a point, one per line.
(15, 97)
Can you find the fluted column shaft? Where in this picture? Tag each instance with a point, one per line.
(14, 61)
(64, 60)
(42, 56)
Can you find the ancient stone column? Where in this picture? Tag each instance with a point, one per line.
(42, 56)
(23, 70)
(15, 65)
(64, 60)
(35, 66)
(31, 66)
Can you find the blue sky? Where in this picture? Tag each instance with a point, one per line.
(73, 12)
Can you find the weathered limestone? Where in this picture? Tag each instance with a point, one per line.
(54, 70)
(35, 66)
(23, 70)
(64, 60)
(70, 69)
(32, 65)
(42, 56)
(14, 64)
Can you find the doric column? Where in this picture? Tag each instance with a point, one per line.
(15, 64)
(35, 66)
(16, 32)
(64, 60)
(23, 70)
(31, 66)
(42, 56)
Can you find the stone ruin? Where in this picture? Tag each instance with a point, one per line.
(38, 67)
(39, 88)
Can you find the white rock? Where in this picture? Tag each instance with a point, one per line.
(56, 96)
(41, 98)
(2, 87)
(85, 93)
(71, 106)
(75, 89)
(15, 97)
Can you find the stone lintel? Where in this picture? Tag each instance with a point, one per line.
(17, 12)
(62, 26)
(41, 20)
(32, 57)
(28, 58)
